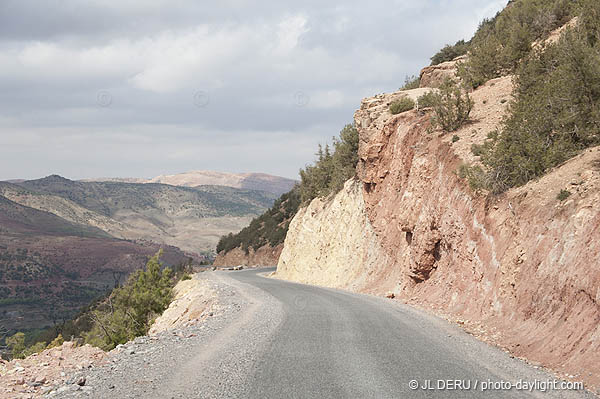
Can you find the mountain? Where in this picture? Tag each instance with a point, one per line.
(190, 218)
(249, 181)
(479, 200)
(51, 267)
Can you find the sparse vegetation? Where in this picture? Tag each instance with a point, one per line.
(411, 82)
(455, 138)
(502, 42)
(556, 111)
(450, 52)
(325, 177)
(452, 106)
(563, 195)
(130, 310)
(427, 100)
(402, 105)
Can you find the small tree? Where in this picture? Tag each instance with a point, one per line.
(16, 345)
(131, 309)
(452, 106)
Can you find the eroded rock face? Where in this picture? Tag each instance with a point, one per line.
(264, 256)
(331, 243)
(435, 75)
(522, 268)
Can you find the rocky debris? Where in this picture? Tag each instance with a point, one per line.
(40, 373)
(435, 75)
(154, 365)
(194, 300)
(64, 370)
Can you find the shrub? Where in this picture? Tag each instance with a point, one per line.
(455, 138)
(16, 345)
(563, 195)
(555, 114)
(411, 82)
(427, 100)
(402, 105)
(58, 341)
(185, 277)
(475, 175)
(130, 310)
(476, 149)
(450, 52)
(500, 43)
(452, 106)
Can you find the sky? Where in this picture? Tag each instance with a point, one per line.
(140, 88)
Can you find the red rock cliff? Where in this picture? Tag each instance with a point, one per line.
(522, 269)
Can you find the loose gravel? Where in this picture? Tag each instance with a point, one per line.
(197, 361)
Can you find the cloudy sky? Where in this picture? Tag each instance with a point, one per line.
(148, 87)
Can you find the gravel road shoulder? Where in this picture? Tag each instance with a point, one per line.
(209, 360)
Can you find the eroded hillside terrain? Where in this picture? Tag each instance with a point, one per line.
(521, 269)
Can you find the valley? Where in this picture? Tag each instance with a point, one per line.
(65, 243)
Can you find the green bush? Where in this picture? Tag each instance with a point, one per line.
(452, 106)
(563, 195)
(450, 52)
(455, 138)
(427, 100)
(411, 82)
(475, 175)
(500, 43)
(402, 105)
(556, 112)
(131, 309)
(16, 345)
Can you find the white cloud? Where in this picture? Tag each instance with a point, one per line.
(250, 58)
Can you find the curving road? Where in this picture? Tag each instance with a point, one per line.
(335, 344)
(276, 339)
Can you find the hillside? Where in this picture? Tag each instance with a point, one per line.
(261, 242)
(50, 267)
(490, 220)
(189, 218)
(248, 181)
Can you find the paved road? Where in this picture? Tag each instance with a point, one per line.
(275, 339)
(334, 344)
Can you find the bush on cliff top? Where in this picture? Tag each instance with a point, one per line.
(450, 52)
(402, 105)
(452, 106)
(556, 110)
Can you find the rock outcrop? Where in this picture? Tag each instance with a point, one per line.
(263, 256)
(521, 269)
(435, 75)
(332, 243)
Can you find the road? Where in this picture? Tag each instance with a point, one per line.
(277, 339)
(335, 344)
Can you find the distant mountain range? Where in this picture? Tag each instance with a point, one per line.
(248, 181)
(64, 242)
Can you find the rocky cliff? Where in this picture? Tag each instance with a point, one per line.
(263, 256)
(521, 270)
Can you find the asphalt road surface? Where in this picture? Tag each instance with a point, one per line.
(335, 344)
(276, 339)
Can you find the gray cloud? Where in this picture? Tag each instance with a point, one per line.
(107, 88)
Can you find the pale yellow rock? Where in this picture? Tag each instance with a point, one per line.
(331, 242)
(194, 299)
